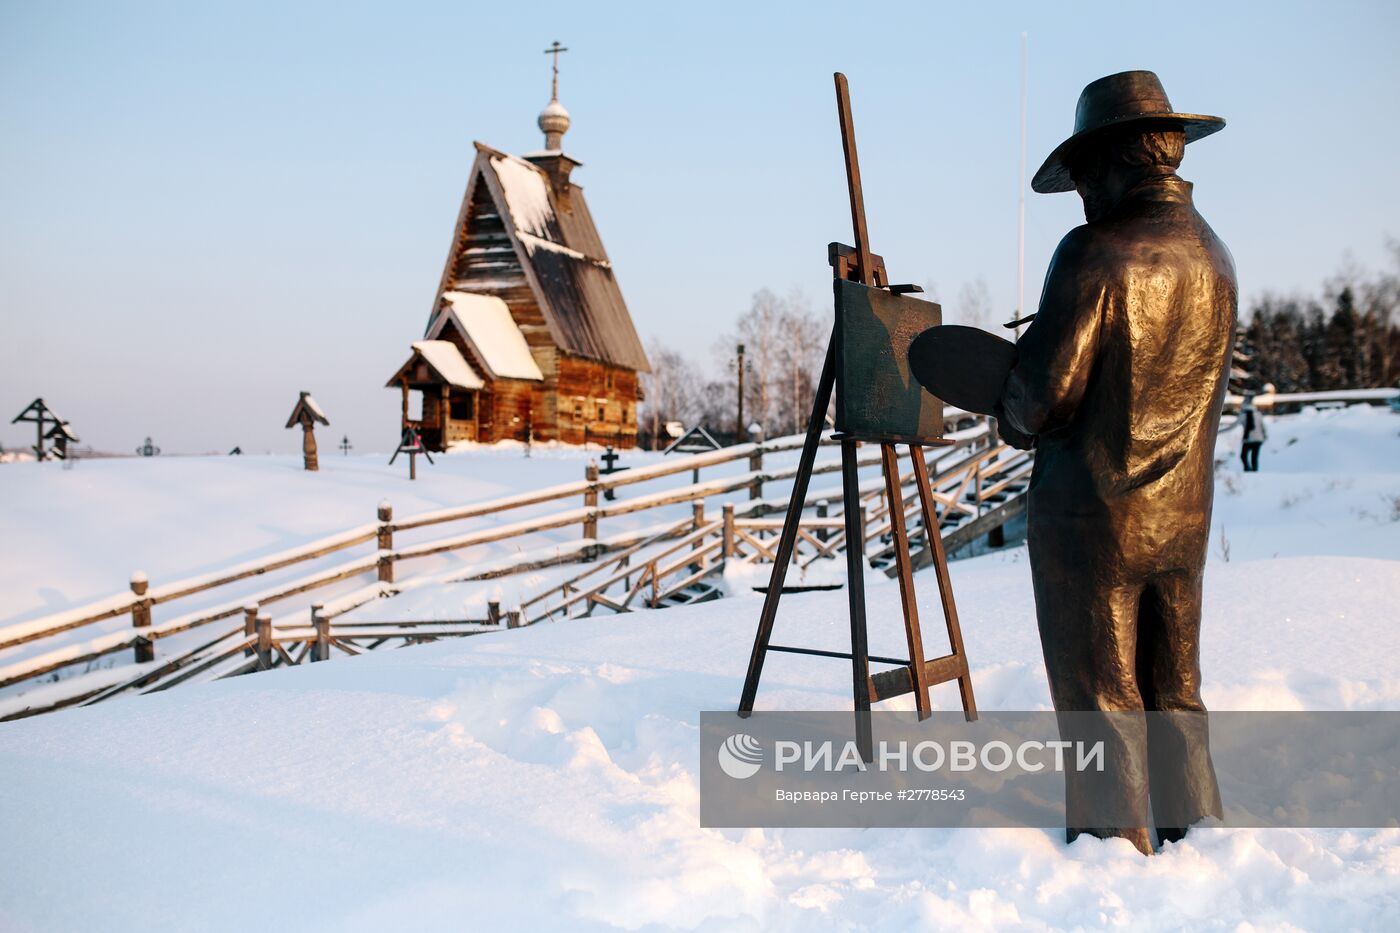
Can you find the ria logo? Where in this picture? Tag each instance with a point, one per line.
(741, 756)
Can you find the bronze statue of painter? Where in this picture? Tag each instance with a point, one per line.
(1118, 383)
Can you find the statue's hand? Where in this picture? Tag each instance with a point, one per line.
(1010, 435)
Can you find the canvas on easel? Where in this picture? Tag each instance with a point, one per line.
(884, 400)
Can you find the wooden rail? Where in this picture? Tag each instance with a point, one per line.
(700, 551)
(971, 479)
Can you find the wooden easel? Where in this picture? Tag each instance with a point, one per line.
(915, 674)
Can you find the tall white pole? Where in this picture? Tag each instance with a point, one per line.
(1021, 196)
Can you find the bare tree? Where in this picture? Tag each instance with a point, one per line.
(803, 354)
(973, 307)
(784, 345)
(762, 331)
(674, 390)
(716, 406)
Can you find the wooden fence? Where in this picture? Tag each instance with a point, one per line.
(967, 476)
(978, 485)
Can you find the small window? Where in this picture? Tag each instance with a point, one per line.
(578, 411)
(610, 379)
(463, 407)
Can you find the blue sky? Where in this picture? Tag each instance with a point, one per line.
(205, 208)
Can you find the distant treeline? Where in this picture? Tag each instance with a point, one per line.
(1348, 338)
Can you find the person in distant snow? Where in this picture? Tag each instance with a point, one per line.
(1255, 434)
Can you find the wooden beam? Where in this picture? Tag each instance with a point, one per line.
(897, 682)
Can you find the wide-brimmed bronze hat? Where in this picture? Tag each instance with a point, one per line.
(1127, 97)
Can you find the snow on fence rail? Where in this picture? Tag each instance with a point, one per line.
(220, 654)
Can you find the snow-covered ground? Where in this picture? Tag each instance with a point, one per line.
(546, 778)
(72, 535)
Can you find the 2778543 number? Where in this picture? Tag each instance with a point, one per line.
(935, 793)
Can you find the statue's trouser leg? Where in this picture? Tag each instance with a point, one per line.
(1181, 775)
(1088, 634)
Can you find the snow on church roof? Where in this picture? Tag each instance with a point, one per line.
(443, 356)
(556, 251)
(526, 194)
(491, 332)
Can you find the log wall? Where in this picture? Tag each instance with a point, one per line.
(596, 402)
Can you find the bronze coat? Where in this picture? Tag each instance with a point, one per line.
(1121, 379)
(1122, 375)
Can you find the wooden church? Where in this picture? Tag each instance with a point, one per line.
(528, 338)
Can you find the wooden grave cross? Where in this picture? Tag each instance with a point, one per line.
(41, 414)
(306, 413)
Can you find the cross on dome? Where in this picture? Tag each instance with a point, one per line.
(554, 119)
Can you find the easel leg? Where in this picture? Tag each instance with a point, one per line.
(889, 461)
(788, 540)
(945, 584)
(855, 591)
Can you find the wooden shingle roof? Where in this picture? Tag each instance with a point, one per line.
(556, 247)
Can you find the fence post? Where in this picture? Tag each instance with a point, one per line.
(823, 511)
(141, 618)
(728, 530)
(697, 511)
(386, 542)
(250, 625)
(590, 502)
(977, 487)
(513, 618)
(264, 633)
(493, 612)
(322, 625)
(756, 466)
